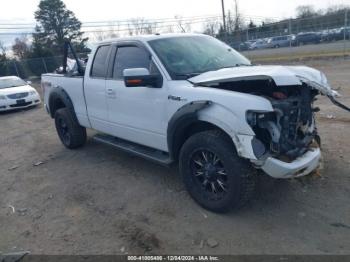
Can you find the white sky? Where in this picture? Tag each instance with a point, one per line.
(22, 10)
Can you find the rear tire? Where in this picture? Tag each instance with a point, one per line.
(71, 134)
(213, 174)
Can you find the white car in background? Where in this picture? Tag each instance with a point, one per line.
(15, 93)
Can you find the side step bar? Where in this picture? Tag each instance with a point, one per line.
(135, 149)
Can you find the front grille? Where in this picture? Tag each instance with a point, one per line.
(18, 95)
(21, 105)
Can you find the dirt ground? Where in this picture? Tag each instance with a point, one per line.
(97, 200)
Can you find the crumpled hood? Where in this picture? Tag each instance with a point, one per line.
(281, 75)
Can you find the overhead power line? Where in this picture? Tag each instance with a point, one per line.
(130, 22)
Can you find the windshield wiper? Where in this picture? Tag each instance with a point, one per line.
(187, 76)
(236, 65)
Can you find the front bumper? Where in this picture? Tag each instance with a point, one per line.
(302, 166)
(12, 104)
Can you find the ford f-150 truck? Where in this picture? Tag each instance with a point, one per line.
(191, 99)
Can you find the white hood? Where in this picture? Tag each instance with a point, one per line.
(281, 75)
(15, 90)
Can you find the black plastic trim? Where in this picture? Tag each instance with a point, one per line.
(59, 93)
(183, 117)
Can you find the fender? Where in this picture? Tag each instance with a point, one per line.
(241, 134)
(59, 93)
(183, 117)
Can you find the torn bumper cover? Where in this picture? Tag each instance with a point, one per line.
(301, 166)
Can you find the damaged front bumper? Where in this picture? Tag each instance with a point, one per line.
(301, 166)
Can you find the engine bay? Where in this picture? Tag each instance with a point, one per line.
(290, 130)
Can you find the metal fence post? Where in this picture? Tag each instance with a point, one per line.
(14, 63)
(44, 63)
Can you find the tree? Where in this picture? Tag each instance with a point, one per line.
(251, 25)
(230, 22)
(55, 23)
(211, 27)
(238, 22)
(4, 69)
(112, 32)
(184, 26)
(3, 57)
(20, 48)
(305, 11)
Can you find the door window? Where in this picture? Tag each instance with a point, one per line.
(100, 64)
(132, 57)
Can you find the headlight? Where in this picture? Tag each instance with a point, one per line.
(32, 92)
(2, 97)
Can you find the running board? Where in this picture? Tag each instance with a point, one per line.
(135, 149)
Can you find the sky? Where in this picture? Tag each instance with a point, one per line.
(22, 11)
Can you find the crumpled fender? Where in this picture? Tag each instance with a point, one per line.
(207, 111)
(237, 128)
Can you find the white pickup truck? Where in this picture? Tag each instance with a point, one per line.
(193, 100)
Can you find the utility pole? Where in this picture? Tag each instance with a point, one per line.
(345, 23)
(223, 16)
(290, 31)
(345, 29)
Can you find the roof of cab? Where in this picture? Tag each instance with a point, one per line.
(146, 38)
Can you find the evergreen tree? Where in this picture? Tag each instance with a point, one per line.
(55, 23)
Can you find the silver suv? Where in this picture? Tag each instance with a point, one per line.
(280, 41)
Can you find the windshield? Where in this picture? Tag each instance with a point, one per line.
(189, 56)
(11, 82)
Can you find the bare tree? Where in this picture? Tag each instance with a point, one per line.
(305, 11)
(130, 29)
(211, 27)
(184, 26)
(111, 32)
(230, 22)
(3, 49)
(150, 27)
(21, 48)
(238, 20)
(3, 59)
(139, 26)
(169, 29)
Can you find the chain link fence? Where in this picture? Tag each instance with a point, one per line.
(324, 35)
(30, 68)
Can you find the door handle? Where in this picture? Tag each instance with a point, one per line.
(110, 91)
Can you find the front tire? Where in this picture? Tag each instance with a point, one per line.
(71, 134)
(213, 174)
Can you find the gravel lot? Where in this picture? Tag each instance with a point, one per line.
(97, 200)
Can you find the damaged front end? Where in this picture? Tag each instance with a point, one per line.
(286, 142)
(290, 130)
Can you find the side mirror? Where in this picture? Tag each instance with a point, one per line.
(29, 82)
(134, 77)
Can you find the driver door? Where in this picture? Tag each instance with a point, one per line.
(136, 113)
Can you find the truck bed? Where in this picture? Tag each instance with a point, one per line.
(74, 86)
